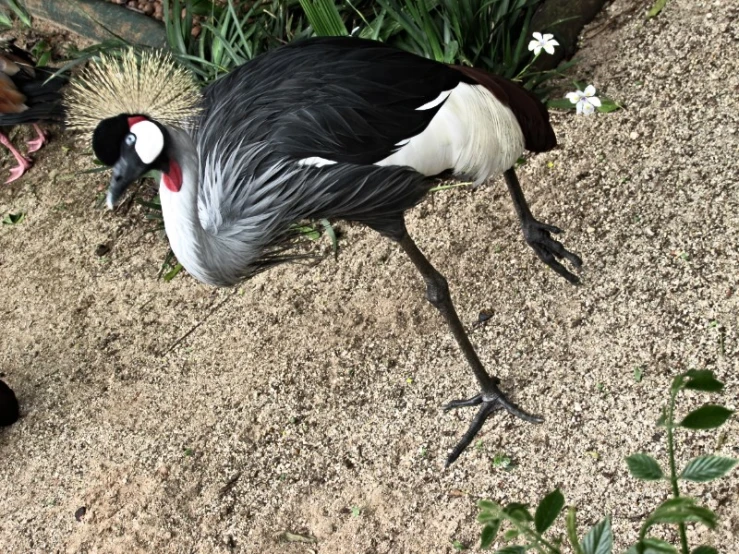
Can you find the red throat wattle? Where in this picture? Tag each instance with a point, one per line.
(173, 178)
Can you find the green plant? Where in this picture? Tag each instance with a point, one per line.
(14, 8)
(14, 219)
(677, 510)
(230, 34)
(492, 34)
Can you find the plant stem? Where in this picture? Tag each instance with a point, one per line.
(673, 469)
(538, 540)
(572, 530)
(520, 73)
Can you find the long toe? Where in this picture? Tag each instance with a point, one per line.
(489, 402)
(549, 250)
(18, 171)
(35, 144)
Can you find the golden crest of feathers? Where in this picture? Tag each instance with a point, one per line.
(147, 83)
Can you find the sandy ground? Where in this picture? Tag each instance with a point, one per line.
(309, 400)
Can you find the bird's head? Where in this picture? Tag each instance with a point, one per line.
(108, 100)
(132, 145)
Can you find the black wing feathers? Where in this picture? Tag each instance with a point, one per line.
(343, 99)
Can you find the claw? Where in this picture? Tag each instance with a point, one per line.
(489, 402)
(548, 250)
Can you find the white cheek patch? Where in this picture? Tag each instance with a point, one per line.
(149, 140)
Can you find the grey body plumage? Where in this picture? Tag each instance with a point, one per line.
(326, 128)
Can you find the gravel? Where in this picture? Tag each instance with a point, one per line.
(309, 403)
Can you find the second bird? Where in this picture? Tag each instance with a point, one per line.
(338, 128)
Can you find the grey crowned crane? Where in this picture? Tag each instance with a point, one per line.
(26, 96)
(338, 128)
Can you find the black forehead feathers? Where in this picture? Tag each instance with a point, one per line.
(108, 137)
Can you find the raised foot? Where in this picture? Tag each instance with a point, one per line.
(19, 170)
(38, 142)
(489, 402)
(550, 251)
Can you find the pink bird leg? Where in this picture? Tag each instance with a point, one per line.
(38, 142)
(23, 163)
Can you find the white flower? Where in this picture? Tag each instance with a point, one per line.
(586, 100)
(545, 41)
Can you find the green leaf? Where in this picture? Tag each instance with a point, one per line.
(20, 11)
(651, 545)
(503, 461)
(681, 510)
(703, 380)
(458, 545)
(518, 511)
(560, 104)
(608, 105)
(709, 416)
(658, 6)
(548, 510)
(485, 517)
(172, 273)
(657, 546)
(489, 532)
(14, 219)
(707, 468)
(324, 17)
(511, 534)
(329, 229)
(513, 549)
(488, 505)
(599, 540)
(704, 550)
(638, 374)
(644, 467)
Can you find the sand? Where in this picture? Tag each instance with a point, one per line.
(308, 400)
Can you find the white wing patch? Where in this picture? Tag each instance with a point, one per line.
(436, 101)
(473, 134)
(149, 140)
(316, 161)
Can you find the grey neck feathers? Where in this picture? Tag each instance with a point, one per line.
(207, 256)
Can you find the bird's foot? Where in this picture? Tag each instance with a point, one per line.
(39, 141)
(24, 164)
(550, 251)
(490, 400)
(35, 145)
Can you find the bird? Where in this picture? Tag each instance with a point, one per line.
(26, 96)
(340, 128)
(8, 405)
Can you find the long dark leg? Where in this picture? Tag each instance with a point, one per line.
(537, 234)
(491, 398)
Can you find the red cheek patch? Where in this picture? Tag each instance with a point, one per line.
(135, 119)
(173, 178)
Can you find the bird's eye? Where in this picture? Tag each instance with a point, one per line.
(130, 139)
